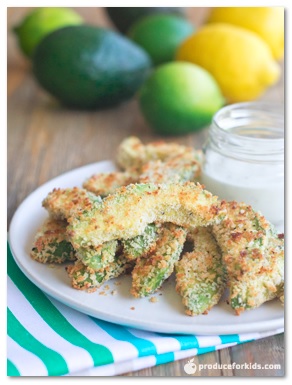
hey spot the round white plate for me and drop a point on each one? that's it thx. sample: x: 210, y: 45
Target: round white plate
x: 166, y: 315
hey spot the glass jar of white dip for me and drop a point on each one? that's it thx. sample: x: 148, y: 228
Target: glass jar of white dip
x: 244, y: 157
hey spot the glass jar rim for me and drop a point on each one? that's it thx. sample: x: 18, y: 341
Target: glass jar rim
x: 275, y: 108
x: 266, y: 143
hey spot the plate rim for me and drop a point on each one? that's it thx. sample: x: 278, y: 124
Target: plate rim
x: 153, y: 326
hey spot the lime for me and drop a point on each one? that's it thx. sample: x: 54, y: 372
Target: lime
x: 240, y: 61
x: 124, y: 17
x: 41, y: 22
x: 160, y: 35
x: 179, y: 98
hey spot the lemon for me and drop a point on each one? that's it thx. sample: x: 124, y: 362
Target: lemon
x: 40, y: 22
x: 179, y: 98
x: 267, y: 22
x: 160, y: 35
x: 240, y: 61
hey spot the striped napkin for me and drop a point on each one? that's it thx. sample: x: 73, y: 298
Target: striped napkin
x: 47, y: 338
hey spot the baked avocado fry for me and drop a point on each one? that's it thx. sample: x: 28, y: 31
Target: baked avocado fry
x: 263, y: 284
x: 253, y: 255
x: 126, y: 213
x: 175, y: 170
x: 85, y: 278
x: 106, y: 183
x: 200, y: 275
x: 63, y: 203
x: 149, y: 273
x: 141, y: 245
x: 98, y: 258
x: 51, y: 243
x: 133, y: 153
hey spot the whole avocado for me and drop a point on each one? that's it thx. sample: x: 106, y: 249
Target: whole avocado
x: 124, y: 17
x: 89, y: 67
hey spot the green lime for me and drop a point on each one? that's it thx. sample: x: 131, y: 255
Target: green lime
x: 40, y: 22
x: 90, y: 67
x: 179, y: 98
x: 124, y: 17
x: 161, y: 35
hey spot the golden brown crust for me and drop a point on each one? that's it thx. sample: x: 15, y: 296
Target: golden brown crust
x: 133, y: 153
x: 63, y: 203
x: 51, y: 244
x: 105, y: 184
x: 200, y: 275
x: 126, y: 213
x: 253, y: 255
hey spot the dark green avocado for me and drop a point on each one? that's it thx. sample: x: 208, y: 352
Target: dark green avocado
x: 124, y: 17
x: 90, y: 67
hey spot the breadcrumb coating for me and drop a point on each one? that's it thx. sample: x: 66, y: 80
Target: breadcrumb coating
x: 200, y: 275
x: 126, y: 213
x: 176, y: 170
x: 85, y: 278
x: 106, y: 183
x: 141, y: 245
x: 98, y: 258
x: 253, y: 255
x: 150, y: 273
x: 51, y: 243
x: 64, y: 203
x: 133, y: 153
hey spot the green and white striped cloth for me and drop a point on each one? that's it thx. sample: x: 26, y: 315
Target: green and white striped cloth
x: 47, y: 338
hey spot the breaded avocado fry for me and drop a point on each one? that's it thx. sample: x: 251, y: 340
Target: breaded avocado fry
x: 253, y: 255
x: 200, y: 275
x: 51, y: 243
x: 149, y: 273
x: 63, y: 203
x: 85, y: 278
x: 141, y: 245
x: 105, y: 184
x: 98, y: 258
x: 126, y: 213
x: 133, y: 153
x: 176, y: 170
x: 264, y: 284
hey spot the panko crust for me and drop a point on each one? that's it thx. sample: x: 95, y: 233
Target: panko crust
x: 149, y: 273
x: 253, y: 255
x: 126, y: 213
x: 200, y: 274
x: 64, y: 203
x: 51, y: 244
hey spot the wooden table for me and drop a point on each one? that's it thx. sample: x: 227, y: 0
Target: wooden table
x: 45, y: 140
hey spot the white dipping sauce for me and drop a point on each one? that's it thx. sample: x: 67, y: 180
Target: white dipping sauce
x: 244, y: 158
x: 260, y: 186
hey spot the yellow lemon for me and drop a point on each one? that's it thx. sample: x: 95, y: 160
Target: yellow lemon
x: 240, y: 61
x: 267, y: 22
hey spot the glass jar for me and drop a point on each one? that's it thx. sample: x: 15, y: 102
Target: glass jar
x: 244, y: 157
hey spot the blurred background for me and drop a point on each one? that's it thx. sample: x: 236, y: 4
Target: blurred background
x: 95, y: 16
x: 45, y: 138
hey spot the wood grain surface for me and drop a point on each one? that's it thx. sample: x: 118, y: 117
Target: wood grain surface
x: 45, y: 140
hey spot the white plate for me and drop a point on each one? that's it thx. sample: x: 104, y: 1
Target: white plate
x: 166, y: 316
